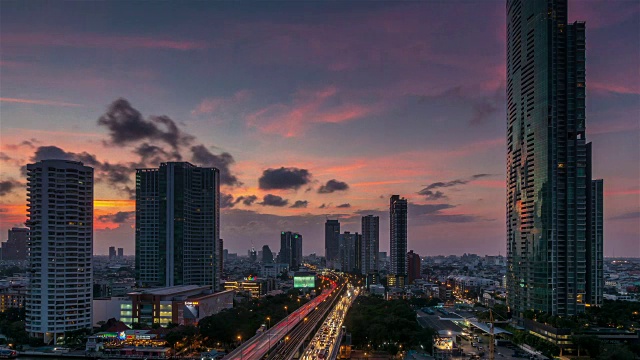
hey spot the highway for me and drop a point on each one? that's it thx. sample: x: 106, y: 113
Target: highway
x: 326, y: 342
x: 258, y: 346
x: 296, y: 338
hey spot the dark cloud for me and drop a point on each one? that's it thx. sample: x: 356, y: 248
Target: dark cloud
x: 274, y: 200
x: 481, y: 112
x: 284, y: 178
x: 430, y: 194
x: 324, y: 206
x: 246, y: 200
x: 344, y: 206
x: 154, y: 155
x: 4, y: 157
x: 300, y: 204
x: 126, y: 125
x: 202, y: 156
x: 119, y: 217
x: 332, y: 186
x: 633, y: 215
x: 56, y: 153
x: 7, y: 186
x: 226, y: 200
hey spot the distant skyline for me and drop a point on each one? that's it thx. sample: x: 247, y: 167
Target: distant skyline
x: 309, y: 109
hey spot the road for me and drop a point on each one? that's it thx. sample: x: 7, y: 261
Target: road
x: 326, y: 342
x: 258, y: 346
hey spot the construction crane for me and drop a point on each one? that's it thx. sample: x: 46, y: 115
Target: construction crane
x: 492, y: 355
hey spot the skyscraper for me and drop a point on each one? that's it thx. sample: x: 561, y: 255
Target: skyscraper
x: 112, y: 252
x: 350, y: 252
x: 370, y: 243
x: 414, y: 265
x: 290, y: 249
x: 120, y: 253
x: 60, y: 221
x: 178, y: 225
x: 595, y: 251
x: 547, y: 163
x: 331, y: 241
x: 15, y: 248
x: 398, y: 235
x: 267, y: 255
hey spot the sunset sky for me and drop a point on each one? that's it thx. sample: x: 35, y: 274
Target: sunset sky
x: 310, y: 109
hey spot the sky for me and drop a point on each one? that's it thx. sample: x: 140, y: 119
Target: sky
x: 312, y: 110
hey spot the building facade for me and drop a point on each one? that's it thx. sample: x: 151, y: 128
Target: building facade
x: 414, y: 265
x: 331, y: 240
x: 15, y: 248
x: 60, y: 221
x: 290, y: 249
x: 178, y: 225
x: 370, y: 244
x: 398, y: 235
x: 350, y: 252
x: 547, y: 163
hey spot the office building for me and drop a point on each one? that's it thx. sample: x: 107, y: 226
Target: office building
x: 548, y: 168
x: 331, y: 240
x: 16, y: 248
x: 370, y: 244
x: 112, y: 252
x: 398, y: 235
x: 414, y: 267
x: 60, y: 221
x: 120, y: 253
x: 267, y: 255
x: 350, y: 252
x: 178, y: 226
x: 290, y: 249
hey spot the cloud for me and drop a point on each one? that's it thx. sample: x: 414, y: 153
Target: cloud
x: 430, y: 194
x: 482, y: 111
x: 118, y: 218
x: 226, y: 200
x: 7, y: 186
x: 284, y: 178
x: 274, y: 200
x: 299, y: 204
x: 39, y: 102
x: 86, y: 40
x: 332, y: 186
x: 126, y: 125
x: 221, y: 106
x: 154, y: 154
x: 246, y: 200
x: 344, y: 206
x: 633, y: 215
x: 202, y: 156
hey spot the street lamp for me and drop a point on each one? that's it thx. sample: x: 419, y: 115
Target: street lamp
x: 241, y: 350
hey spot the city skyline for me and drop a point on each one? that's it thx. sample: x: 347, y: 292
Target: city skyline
x: 404, y: 111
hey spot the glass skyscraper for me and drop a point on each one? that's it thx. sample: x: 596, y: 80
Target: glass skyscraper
x: 331, y: 242
x: 178, y: 225
x: 398, y: 235
x: 548, y: 168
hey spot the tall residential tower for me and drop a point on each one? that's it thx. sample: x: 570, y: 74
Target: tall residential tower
x: 398, y: 235
x: 331, y: 240
x: 60, y: 221
x: 178, y: 225
x: 548, y: 169
x: 370, y: 244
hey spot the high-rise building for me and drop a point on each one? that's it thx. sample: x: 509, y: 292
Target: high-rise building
x: 112, y: 252
x: 370, y: 243
x: 414, y: 267
x: 267, y: 255
x: 398, y: 235
x: 120, y: 253
x: 350, y: 252
x: 220, y: 259
x: 331, y: 241
x: 16, y: 248
x: 595, y: 251
x: 290, y: 249
x: 60, y: 221
x: 178, y: 225
x: 547, y: 164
